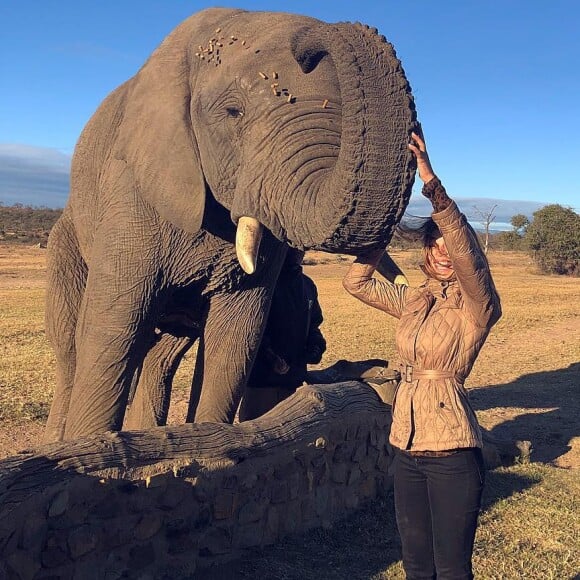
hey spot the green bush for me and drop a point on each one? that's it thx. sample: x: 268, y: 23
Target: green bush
x: 553, y: 238
x: 510, y: 240
x: 23, y: 224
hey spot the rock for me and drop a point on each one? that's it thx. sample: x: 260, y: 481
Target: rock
x: 82, y: 541
x: 59, y: 504
x: 251, y: 511
x: 23, y: 564
x: 217, y: 541
x: 149, y: 524
x: 498, y: 451
x: 223, y: 506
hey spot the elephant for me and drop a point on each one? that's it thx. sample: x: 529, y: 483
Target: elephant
x: 150, y: 398
x: 292, y: 332
x: 243, y: 134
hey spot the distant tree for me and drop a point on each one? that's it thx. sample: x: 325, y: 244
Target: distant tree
x: 512, y: 239
x: 520, y: 222
x: 20, y: 223
x: 553, y: 238
x: 509, y: 240
x: 487, y: 217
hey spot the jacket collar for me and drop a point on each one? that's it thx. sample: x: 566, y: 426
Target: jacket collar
x: 437, y: 287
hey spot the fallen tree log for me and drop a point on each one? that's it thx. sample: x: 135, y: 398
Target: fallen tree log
x: 172, y: 499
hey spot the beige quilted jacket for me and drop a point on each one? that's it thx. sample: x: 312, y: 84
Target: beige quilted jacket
x: 442, y: 327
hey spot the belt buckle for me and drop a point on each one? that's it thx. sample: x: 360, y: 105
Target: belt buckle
x: 409, y: 374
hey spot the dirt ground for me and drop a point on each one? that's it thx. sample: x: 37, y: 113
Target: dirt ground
x: 525, y: 386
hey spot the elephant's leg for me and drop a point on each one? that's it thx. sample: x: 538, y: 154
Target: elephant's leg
x: 66, y: 278
x: 110, y: 348
x: 114, y: 330
x: 197, y: 382
x: 230, y: 340
x: 150, y: 404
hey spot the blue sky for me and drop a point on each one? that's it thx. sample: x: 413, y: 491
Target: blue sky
x: 496, y: 83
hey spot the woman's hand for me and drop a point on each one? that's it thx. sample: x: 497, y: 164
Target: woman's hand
x: 432, y: 188
x: 424, y: 168
x: 370, y: 257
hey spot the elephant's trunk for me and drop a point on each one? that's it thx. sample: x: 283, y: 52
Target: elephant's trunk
x: 364, y: 197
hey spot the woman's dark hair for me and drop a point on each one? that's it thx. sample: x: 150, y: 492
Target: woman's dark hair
x: 424, y: 230
x: 417, y: 229
x: 421, y: 230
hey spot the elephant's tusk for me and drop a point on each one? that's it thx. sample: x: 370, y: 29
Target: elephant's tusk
x: 248, y: 236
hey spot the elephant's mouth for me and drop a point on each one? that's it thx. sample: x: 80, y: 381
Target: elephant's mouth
x: 248, y: 237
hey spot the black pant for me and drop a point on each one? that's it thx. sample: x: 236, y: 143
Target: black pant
x: 437, y: 502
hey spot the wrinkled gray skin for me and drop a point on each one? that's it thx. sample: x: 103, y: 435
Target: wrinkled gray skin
x: 175, y: 156
x: 176, y: 334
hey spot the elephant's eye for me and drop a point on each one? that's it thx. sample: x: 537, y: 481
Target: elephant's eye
x: 234, y: 112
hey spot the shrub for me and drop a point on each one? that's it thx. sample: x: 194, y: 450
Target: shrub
x: 553, y: 238
x: 22, y: 224
x: 510, y: 240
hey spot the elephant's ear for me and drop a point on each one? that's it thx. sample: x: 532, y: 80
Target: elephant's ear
x: 156, y: 138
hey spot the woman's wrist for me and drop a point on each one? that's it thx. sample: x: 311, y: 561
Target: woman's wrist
x: 430, y: 186
x: 436, y: 194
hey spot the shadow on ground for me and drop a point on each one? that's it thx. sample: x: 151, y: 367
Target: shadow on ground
x: 358, y: 548
x: 553, y: 420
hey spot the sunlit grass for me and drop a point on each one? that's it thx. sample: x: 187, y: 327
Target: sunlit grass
x: 27, y: 366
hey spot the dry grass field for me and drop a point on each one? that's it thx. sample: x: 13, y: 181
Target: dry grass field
x: 525, y: 385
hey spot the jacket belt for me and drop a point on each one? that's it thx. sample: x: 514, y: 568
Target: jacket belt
x: 431, y: 453
x: 409, y: 373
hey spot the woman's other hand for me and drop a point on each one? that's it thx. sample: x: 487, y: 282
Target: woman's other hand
x: 417, y: 146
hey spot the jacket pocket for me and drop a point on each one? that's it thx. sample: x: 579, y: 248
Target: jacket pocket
x: 447, y: 415
x: 448, y: 409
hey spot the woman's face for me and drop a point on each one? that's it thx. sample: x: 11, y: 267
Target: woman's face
x: 438, y: 262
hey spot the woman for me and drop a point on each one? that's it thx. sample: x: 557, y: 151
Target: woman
x: 439, y: 471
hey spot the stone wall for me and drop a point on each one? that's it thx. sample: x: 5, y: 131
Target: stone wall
x: 163, y: 503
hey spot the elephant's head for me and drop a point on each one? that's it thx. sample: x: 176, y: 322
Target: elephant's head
x: 298, y: 125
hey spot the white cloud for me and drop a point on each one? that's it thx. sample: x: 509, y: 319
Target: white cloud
x: 40, y: 176
x: 33, y: 175
x: 505, y: 209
